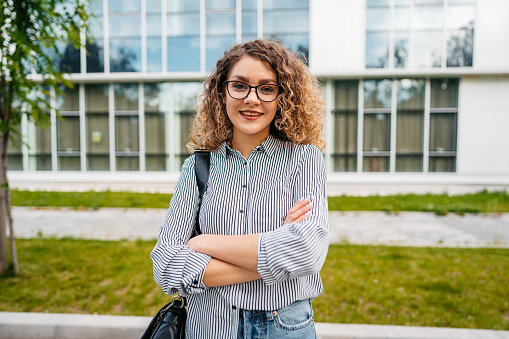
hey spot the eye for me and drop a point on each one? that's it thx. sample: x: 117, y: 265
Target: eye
x: 239, y: 86
x: 269, y: 89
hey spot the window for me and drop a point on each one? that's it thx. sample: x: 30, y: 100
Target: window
x: 126, y: 127
x: 14, y: 152
x: 97, y: 127
x: 95, y: 48
x: 183, y: 30
x: 156, y: 126
x: 125, y: 36
x: 443, y: 125
x: 345, y: 112
x: 68, y: 131
x: 221, y: 29
x: 419, y: 34
x: 154, y: 44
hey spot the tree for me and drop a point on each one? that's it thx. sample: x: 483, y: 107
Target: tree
x: 30, y: 31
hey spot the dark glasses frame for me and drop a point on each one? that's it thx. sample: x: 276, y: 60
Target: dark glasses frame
x: 279, y: 87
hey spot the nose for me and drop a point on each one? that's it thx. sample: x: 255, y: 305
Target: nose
x: 252, y: 96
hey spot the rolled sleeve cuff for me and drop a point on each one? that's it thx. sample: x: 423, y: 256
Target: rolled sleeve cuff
x: 192, y: 274
x: 263, y: 265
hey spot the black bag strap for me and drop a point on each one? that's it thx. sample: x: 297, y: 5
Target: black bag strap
x: 201, y: 169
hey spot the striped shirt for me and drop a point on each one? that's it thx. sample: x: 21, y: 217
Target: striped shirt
x: 246, y: 196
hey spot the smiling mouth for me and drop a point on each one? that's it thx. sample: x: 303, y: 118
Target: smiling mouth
x: 251, y: 114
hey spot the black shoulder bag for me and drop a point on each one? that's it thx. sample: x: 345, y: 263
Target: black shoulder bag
x: 170, y: 321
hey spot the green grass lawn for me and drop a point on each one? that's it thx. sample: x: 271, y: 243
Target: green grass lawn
x: 363, y: 284
x: 482, y: 202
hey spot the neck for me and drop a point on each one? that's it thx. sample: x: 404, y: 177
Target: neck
x: 246, y: 145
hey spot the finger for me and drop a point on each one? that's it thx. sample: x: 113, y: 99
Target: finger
x: 299, y: 204
x: 301, y: 218
x: 294, y: 216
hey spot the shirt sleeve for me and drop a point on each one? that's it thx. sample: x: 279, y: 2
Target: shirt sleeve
x: 176, y: 266
x: 299, y: 249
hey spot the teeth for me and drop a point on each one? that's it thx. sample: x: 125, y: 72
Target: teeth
x: 252, y: 114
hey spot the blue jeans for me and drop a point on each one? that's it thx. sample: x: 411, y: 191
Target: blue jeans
x: 294, y: 322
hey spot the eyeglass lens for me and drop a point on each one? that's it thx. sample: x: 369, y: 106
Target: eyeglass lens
x: 240, y: 90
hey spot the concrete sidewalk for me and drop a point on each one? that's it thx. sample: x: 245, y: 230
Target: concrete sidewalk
x: 75, y: 326
x: 377, y: 228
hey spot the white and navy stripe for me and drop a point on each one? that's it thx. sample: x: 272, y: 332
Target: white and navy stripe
x: 247, y: 196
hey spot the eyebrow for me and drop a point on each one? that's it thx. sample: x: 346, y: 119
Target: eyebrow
x: 262, y: 81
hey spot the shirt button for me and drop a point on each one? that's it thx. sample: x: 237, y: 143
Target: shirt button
x: 241, y: 211
x: 234, y: 307
x: 245, y: 162
x: 195, y: 282
x: 244, y: 186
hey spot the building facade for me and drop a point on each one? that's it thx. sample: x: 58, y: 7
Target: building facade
x: 417, y: 91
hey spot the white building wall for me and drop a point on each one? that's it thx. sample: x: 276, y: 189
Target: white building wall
x: 491, y: 35
x: 337, y: 36
x: 483, y: 126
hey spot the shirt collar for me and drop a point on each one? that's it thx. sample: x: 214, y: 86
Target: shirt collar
x: 268, y: 146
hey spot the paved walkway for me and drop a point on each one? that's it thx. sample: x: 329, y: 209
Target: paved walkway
x: 403, y: 229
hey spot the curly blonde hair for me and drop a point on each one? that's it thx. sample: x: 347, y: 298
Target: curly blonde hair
x: 300, y: 113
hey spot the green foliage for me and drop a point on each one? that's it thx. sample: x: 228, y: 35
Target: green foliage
x: 362, y: 284
x: 441, y: 204
x: 31, y: 31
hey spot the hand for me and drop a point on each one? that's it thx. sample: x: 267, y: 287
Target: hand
x: 299, y: 211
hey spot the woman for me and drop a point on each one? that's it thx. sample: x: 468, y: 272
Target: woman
x: 264, y: 219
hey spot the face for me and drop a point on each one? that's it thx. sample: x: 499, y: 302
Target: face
x: 250, y: 116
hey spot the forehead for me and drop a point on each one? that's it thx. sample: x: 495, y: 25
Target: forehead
x: 251, y: 69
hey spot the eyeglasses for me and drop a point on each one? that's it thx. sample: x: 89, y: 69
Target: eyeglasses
x: 264, y: 92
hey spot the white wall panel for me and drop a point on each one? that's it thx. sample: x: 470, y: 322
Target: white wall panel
x: 491, y: 35
x: 483, y: 127
x: 337, y: 36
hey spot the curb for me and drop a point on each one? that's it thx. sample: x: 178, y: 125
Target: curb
x: 17, y: 325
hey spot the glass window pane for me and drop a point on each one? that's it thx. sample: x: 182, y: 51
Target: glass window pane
x: 220, y: 4
x: 345, y: 132
x: 220, y: 24
x: 460, y: 16
x: 409, y: 163
x: 153, y: 6
x: 125, y: 26
x: 427, y: 49
x: 372, y: 3
x: 284, y: 21
x: 460, y: 47
x: 298, y: 43
x: 183, y: 24
x: 68, y: 134
x: 39, y: 141
x: 69, y: 163
x: 378, y: 19
x: 249, y: 4
x: 157, y: 99
x: 377, y: 49
x: 410, y: 94
x: 69, y: 100
x: 401, y: 18
x: 377, y: 93
x: 409, y: 132
x: 95, y: 56
x: 184, y: 54
x: 14, y: 153
x: 125, y: 55
x: 375, y: 164
x: 443, y: 132
x: 249, y: 24
x: 182, y: 5
x: 70, y: 59
x: 154, y: 27
x: 96, y: 7
x: 444, y: 93
x: 427, y: 17
x: 344, y: 163
x: 442, y: 164
x: 126, y: 133
x: 126, y: 97
x: 96, y: 98
x: 154, y: 55
x: 128, y: 163
x: 346, y: 95
x: 97, y: 142
x: 124, y: 5
x: 400, y: 49
x: 285, y: 4
x: 377, y: 132
x: 215, y: 49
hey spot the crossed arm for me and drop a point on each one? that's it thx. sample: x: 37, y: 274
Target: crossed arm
x: 235, y: 257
